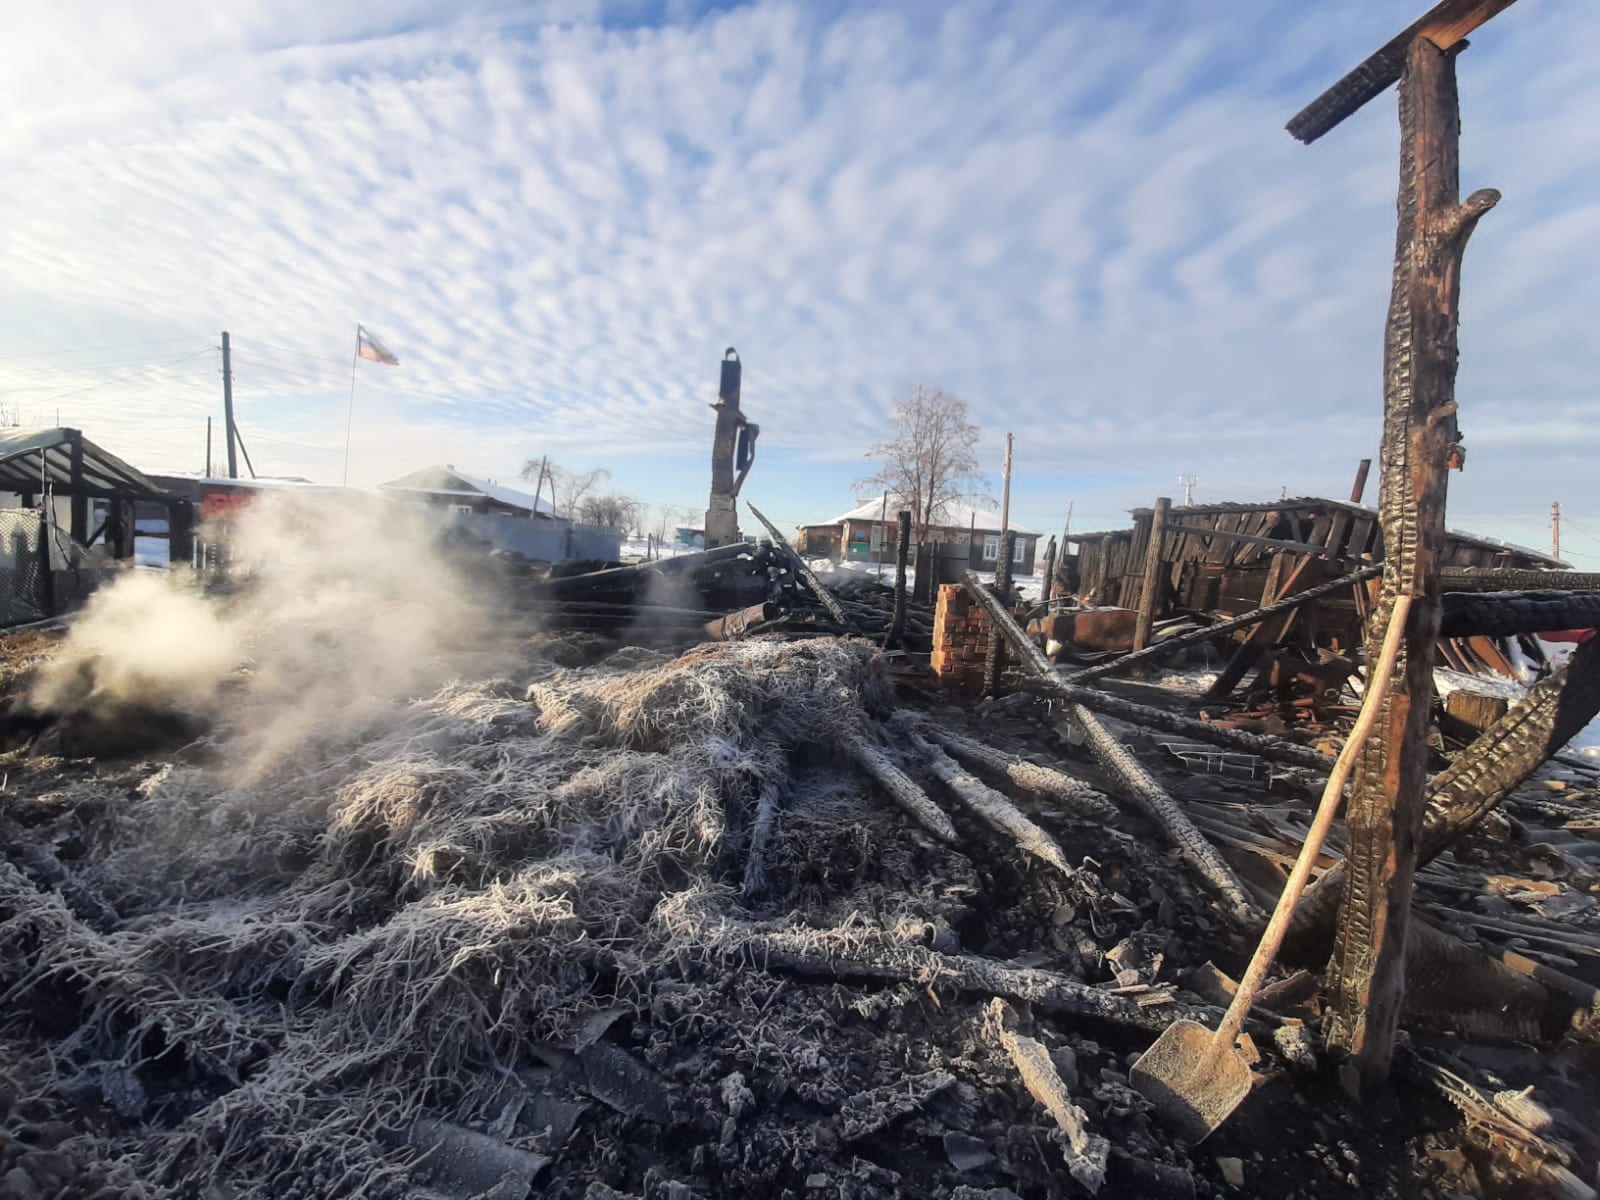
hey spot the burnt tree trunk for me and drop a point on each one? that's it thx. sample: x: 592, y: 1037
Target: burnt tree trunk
x: 1420, y: 442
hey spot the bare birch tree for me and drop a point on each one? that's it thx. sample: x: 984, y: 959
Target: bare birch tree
x: 930, y: 461
x: 567, y: 488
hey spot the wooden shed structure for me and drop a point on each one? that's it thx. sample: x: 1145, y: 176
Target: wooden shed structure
x: 1229, y: 558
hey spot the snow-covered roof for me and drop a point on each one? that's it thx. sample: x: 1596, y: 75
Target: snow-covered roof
x: 953, y: 515
x: 448, y: 481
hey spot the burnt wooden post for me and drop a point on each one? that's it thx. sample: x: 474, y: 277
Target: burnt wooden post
x: 902, y: 554
x: 180, y: 533
x: 1420, y: 443
x: 1359, y: 488
x: 1049, y: 585
x: 77, y: 502
x: 994, y: 662
x: 1150, y: 591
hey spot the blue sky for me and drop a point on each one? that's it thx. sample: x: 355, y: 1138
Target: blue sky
x: 1085, y: 219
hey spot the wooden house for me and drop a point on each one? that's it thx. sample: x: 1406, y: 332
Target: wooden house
x: 867, y: 534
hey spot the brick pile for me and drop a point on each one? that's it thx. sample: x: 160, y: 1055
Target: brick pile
x: 960, y: 639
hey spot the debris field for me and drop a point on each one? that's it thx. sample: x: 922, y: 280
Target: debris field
x: 755, y: 917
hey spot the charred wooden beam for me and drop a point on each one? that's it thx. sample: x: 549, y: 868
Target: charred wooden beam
x: 1386, y: 804
x: 1500, y: 760
x: 1358, y: 489
x: 807, y: 576
x: 1256, y: 641
x: 1505, y: 579
x: 1445, y: 25
x: 1134, y: 781
x: 742, y: 623
x: 1150, y: 588
x: 902, y: 554
x: 994, y: 659
x: 1230, y: 535
x: 1505, y: 614
x: 1073, y: 793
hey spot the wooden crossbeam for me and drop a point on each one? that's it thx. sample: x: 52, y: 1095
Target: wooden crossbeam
x: 1228, y: 535
x: 1445, y: 24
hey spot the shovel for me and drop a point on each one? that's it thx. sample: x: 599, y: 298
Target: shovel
x: 1196, y: 1077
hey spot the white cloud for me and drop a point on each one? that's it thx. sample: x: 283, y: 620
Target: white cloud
x: 559, y: 221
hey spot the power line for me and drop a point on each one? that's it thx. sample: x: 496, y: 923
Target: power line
x: 119, y: 377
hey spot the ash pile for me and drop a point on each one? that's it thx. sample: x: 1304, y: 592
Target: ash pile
x: 750, y: 919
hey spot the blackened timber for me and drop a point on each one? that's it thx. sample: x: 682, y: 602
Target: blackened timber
x: 902, y: 553
x: 77, y: 502
x: 1150, y: 589
x: 1420, y: 440
x: 1133, y: 780
x: 1479, y: 779
x: 994, y: 659
x: 1045, y: 680
x: 1255, y: 643
x: 1166, y: 646
x: 1445, y: 24
x: 1260, y: 744
x: 807, y: 576
x: 1504, y: 614
x: 1358, y: 489
x: 1228, y: 535
x: 1506, y: 579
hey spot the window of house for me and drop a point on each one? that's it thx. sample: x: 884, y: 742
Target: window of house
x: 991, y: 547
x: 461, y: 508
x: 877, y: 537
x: 1019, y: 551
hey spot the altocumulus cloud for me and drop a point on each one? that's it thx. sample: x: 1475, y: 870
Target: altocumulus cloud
x: 1084, y: 218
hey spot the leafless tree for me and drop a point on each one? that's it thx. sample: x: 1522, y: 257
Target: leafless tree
x: 567, y: 487
x: 613, y: 512
x: 930, y: 461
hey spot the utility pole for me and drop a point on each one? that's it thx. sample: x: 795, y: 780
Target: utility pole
x: 227, y: 405
x: 1005, y: 493
x: 1187, y: 482
x: 1555, y: 529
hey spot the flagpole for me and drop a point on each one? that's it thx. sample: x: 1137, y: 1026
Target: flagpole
x: 350, y: 409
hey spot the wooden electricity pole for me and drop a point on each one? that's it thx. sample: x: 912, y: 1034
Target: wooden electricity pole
x: 1555, y: 529
x: 1420, y: 444
x: 227, y: 406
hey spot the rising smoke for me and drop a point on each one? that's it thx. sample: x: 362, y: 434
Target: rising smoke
x: 334, y: 609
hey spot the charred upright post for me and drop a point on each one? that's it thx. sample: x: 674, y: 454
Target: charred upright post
x: 1420, y: 444
x: 902, y: 555
x: 994, y: 662
x: 1150, y: 592
x: 733, y: 449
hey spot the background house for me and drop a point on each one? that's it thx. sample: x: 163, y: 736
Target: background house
x: 456, y: 491
x: 867, y: 534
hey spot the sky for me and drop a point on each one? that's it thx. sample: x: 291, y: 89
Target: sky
x: 1084, y: 219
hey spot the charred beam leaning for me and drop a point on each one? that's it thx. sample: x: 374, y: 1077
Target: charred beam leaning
x: 1048, y: 682
x: 1420, y: 442
x: 806, y: 574
x: 1136, y: 782
x: 1166, y: 646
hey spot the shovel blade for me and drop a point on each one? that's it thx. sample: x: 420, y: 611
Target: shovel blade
x: 1190, y: 1094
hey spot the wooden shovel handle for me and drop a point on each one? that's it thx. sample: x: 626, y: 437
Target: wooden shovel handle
x: 1377, y: 687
